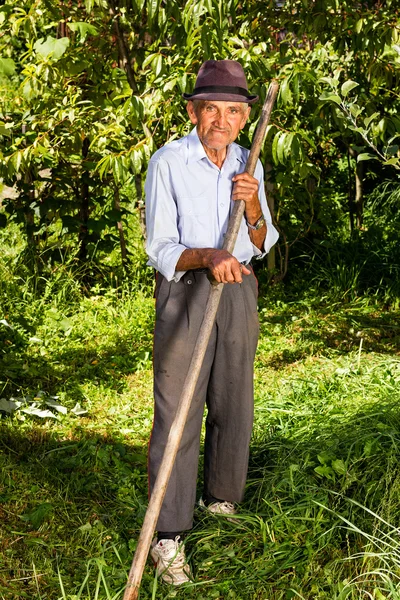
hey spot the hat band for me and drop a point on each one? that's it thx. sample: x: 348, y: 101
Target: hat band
x: 221, y: 89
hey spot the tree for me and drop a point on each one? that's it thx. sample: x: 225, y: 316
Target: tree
x: 97, y: 90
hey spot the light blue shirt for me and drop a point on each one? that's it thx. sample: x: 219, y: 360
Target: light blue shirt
x: 188, y: 203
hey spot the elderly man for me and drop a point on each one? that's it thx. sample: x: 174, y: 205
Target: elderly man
x: 190, y: 189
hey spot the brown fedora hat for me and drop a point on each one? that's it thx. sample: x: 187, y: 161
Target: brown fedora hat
x: 221, y: 80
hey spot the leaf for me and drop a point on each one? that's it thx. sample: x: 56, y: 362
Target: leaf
x: 57, y: 406
x: 157, y: 64
x: 39, y: 412
x: 170, y: 85
x: 329, y: 97
x: 281, y: 147
x: 147, y: 61
x: 355, y: 110
x: 84, y: 29
x: 78, y: 410
x: 65, y: 324
x: 330, y: 80
x: 38, y: 514
x: 348, y: 86
x: 274, y: 147
x: 366, y: 156
x: 7, y: 66
x: 339, y: 466
x: 51, y: 47
x: 367, y: 120
x: 7, y: 406
x: 359, y: 25
x: 4, y: 322
x: 286, y: 94
x: 138, y: 105
x: 392, y: 150
x: 324, y: 471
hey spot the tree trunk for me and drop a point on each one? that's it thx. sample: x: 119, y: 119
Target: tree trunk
x: 122, y: 242
x: 270, y: 193
x: 84, y: 209
x: 359, y: 199
x: 123, y: 53
x: 350, y: 190
x: 140, y: 205
x: 29, y: 215
x: 359, y: 194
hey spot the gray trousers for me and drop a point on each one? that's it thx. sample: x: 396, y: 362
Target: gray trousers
x: 225, y: 385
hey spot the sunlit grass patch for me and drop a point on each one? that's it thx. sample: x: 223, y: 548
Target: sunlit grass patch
x: 323, y: 468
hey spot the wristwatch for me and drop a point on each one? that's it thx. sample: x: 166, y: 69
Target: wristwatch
x: 258, y: 224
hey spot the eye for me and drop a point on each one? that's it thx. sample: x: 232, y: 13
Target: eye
x: 210, y: 108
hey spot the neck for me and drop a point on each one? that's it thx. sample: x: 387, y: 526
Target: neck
x: 216, y: 156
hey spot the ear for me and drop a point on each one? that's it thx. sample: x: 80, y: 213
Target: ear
x: 246, y: 115
x: 191, y: 112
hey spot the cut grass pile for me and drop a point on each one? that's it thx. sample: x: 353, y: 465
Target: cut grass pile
x: 321, y: 513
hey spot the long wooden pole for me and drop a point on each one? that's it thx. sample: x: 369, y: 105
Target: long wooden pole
x: 176, y: 431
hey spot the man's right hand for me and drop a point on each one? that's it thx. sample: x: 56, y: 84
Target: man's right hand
x: 225, y: 268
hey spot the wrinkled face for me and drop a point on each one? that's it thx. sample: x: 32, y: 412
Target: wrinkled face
x: 218, y: 122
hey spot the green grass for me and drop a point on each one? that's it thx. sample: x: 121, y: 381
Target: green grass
x: 321, y: 512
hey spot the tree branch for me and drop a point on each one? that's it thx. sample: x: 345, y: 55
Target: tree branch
x: 122, y: 49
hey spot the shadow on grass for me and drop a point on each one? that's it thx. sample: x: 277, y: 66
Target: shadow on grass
x: 69, y: 368
x: 324, y: 330
x: 62, y: 502
x: 96, y: 487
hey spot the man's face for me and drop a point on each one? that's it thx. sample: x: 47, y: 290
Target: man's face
x: 218, y: 122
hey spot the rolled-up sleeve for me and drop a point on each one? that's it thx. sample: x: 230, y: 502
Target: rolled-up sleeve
x: 272, y: 234
x: 163, y: 247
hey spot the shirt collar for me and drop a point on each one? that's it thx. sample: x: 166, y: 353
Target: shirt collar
x: 195, y: 147
x: 196, y: 150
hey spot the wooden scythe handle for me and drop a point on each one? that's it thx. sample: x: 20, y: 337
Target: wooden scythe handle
x: 176, y: 431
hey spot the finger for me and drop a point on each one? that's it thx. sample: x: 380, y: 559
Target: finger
x: 246, y: 185
x: 216, y: 275
x: 230, y: 278
x: 245, y: 270
x: 237, y: 272
x: 248, y: 189
x: 244, y: 176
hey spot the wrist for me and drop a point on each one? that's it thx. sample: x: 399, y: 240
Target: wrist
x: 206, y: 255
x: 256, y: 224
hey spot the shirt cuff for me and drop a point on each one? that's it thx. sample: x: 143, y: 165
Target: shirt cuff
x: 166, y: 261
x: 270, y: 239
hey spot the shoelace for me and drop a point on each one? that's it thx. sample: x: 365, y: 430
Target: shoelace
x: 227, y: 505
x: 178, y: 558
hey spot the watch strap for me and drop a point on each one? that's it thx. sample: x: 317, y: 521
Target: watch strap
x: 258, y: 224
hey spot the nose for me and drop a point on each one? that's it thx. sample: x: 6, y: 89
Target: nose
x: 220, y: 119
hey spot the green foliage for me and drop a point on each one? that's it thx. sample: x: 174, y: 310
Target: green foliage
x: 321, y: 504
x: 91, y: 92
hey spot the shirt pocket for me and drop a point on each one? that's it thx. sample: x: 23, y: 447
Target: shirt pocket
x: 194, y: 219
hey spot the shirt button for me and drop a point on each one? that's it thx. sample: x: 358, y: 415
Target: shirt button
x: 189, y: 282
x: 222, y: 204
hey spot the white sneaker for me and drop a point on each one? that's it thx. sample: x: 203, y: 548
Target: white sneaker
x: 223, y: 509
x: 170, y: 561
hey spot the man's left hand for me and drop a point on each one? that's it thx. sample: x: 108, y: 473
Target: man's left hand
x: 245, y: 188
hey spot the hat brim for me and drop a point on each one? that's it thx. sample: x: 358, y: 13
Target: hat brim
x: 221, y: 96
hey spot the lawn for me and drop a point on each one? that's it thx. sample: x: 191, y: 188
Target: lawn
x: 321, y: 512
